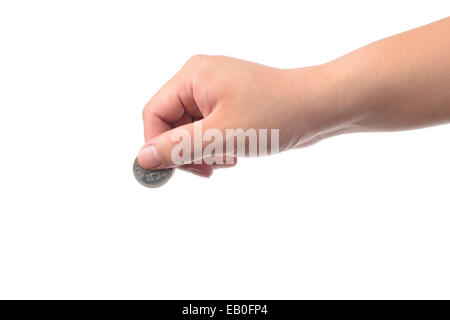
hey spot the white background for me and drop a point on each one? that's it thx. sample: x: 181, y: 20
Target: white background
x: 356, y: 216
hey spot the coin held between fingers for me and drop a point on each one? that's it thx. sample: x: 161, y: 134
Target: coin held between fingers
x: 151, y: 178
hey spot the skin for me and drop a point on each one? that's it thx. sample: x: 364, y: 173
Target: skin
x: 398, y: 83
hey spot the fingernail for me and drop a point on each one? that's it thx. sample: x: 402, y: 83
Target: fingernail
x: 148, y: 157
x: 202, y: 173
x: 194, y: 170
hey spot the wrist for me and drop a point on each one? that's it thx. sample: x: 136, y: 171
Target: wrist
x: 343, y: 98
x: 326, y: 104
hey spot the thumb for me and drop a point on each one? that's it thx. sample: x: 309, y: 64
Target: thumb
x: 181, y: 145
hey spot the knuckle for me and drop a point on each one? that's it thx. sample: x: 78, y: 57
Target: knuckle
x: 198, y: 60
x: 146, y: 111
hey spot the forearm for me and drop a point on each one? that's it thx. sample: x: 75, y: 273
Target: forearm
x: 402, y: 82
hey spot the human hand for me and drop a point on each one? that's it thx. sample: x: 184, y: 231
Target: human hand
x: 225, y: 93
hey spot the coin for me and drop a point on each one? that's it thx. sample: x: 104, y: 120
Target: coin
x: 151, y: 178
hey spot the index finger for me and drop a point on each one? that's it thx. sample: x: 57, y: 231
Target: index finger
x: 173, y: 105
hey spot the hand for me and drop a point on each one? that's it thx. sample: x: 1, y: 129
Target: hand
x: 226, y: 93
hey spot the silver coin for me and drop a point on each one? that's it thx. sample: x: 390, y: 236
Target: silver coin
x: 151, y: 178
